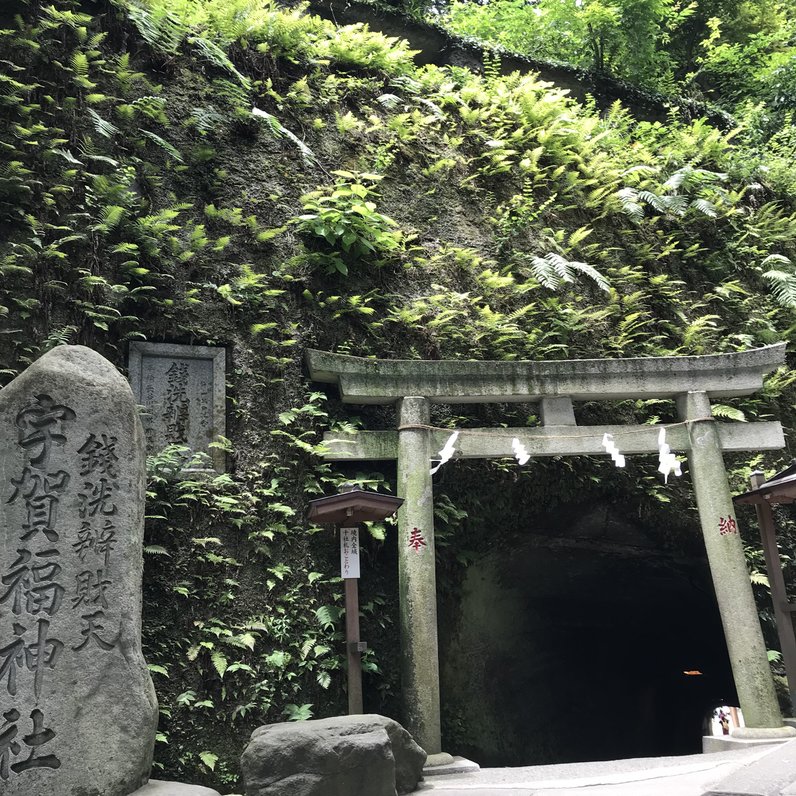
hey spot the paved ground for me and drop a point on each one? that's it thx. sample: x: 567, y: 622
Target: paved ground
x: 750, y: 771
x: 691, y: 775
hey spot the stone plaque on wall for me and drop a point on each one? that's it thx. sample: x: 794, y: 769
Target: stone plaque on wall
x: 182, y: 389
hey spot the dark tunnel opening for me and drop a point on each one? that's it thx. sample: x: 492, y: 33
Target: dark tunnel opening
x: 567, y: 650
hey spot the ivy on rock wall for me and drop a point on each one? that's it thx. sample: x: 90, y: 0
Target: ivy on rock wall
x: 244, y: 174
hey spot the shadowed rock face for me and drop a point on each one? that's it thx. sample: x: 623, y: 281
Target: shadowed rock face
x: 77, y: 701
x: 572, y: 646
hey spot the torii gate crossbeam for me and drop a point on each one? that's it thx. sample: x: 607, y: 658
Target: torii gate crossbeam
x: 692, y: 381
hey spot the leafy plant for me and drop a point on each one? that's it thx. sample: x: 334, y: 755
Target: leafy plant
x: 553, y: 270
x: 782, y: 282
x: 345, y: 225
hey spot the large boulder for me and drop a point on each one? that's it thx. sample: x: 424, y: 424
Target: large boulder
x: 339, y: 756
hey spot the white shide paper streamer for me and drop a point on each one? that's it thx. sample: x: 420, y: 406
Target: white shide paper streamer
x: 610, y: 448
x: 667, y: 462
x: 446, y: 454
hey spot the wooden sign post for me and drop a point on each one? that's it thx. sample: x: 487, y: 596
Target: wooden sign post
x: 347, y: 509
x: 349, y: 570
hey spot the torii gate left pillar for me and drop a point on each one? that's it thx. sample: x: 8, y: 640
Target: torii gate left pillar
x: 417, y: 579
x: 693, y: 381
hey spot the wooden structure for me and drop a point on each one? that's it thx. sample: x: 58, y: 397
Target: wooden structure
x: 781, y: 488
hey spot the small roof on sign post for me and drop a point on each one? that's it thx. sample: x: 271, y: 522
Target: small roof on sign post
x: 780, y: 488
x: 355, y: 505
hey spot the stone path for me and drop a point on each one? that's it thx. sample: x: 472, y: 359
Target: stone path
x: 691, y: 775
x: 748, y: 771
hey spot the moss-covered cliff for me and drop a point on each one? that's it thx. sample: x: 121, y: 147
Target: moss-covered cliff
x: 247, y: 175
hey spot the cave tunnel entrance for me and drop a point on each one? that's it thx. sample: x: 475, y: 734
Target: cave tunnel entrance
x: 574, y: 647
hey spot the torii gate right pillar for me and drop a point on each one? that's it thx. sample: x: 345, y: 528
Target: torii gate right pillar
x: 728, y: 568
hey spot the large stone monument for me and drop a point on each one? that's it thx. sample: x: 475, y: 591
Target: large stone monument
x: 77, y: 707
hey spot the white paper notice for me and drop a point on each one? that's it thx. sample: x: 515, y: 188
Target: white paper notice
x: 349, y: 552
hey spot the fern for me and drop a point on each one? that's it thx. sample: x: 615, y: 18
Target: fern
x: 389, y: 101
x: 699, y: 333
x: 759, y: 579
x: 162, y: 30
x: 71, y: 19
x: 298, y: 712
x: 206, y: 118
x: 151, y: 106
x: 275, y: 126
x: 214, y: 55
x: 102, y: 126
x: 676, y: 205
x: 436, y: 111
x: 630, y: 204
x: 689, y: 178
x: 578, y: 236
x: 328, y: 616
x: 633, y: 201
x: 80, y: 64
x: 67, y: 156
x: 163, y: 144
x: 783, y: 286
x: 653, y: 200
x: 730, y: 412
x: 781, y: 282
x: 64, y: 335
x: 156, y: 550
x: 553, y: 270
x: 776, y: 258
x: 705, y: 206
x: 324, y: 679
x: 220, y: 663
x: 642, y: 170
x: 112, y: 216
x: 232, y: 92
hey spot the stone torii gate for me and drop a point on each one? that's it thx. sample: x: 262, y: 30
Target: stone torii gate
x: 413, y: 385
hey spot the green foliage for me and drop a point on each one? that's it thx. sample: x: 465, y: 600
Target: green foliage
x: 552, y: 270
x: 239, y: 663
x: 730, y: 52
x: 276, y: 127
x: 273, y: 30
x: 355, y: 46
x: 297, y: 712
x: 783, y: 283
x: 622, y: 37
x: 344, y: 224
